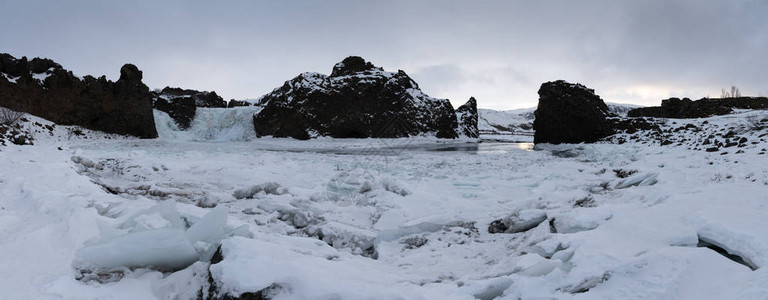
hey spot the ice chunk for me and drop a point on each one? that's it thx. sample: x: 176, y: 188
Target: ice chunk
x: 641, y: 179
x: 165, y: 249
x: 156, y: 238
x: 166, y: 210
x: 523, y: 220
x: 581, y: 220
x: 535, y: 265
x: 210, y: 228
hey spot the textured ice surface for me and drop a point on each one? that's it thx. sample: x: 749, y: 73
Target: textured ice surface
x: 425, y: 213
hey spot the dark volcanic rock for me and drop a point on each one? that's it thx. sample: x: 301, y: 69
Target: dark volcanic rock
x: 237, y: 103
x: 202, y: 98
x: 570, y: 113
x: 358, y: 100
x: 633, y: 125
x: 467, y: 118
x: 352, y: 65
x: 702, y: 108
x: 43, y: 88
x: 181, y: 110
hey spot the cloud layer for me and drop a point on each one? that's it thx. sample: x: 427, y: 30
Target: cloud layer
x: 497, y: 51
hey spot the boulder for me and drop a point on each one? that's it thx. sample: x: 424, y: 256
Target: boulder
x: 467, y: 115
x: 570, y: 113
x: 43, y: 88
x: 702, y: 108
x: 358, y: 100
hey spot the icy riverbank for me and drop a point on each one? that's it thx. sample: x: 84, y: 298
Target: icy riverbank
x: 355, y: 219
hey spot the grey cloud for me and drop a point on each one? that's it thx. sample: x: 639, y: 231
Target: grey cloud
x: 498, y: 50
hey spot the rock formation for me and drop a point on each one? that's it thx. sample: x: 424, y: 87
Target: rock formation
x: 202, y: 98
x: 358, y: 100
x: 467, y: 118
x: 238, y: 103
x: 43, y: 88
x: 570, y: 113
x: 702, y: 108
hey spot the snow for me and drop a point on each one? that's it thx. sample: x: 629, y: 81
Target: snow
x: 361, y: 219
x: 41, y: 76
x: 9, y: 78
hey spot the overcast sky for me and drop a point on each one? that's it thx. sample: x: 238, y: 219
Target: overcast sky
x: 498, y: 51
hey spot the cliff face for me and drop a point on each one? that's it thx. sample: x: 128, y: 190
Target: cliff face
x: 43, y: 88
x: 358, y: 100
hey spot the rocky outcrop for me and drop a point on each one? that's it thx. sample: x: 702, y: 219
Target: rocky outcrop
x: 238, y: 103
x: 702, y: 108
x: 358, y: 100
x: 202, y: 98
x: 570, y: 113
x: 181, y: 104
x: 467, y: 118
x: 43, y: 88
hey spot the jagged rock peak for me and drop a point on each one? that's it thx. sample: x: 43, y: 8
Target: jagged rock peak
x: 467, y: 117
x: 352, y: 65
x: 130, y: 73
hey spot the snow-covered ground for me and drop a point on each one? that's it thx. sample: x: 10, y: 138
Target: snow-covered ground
x: 96, y: 216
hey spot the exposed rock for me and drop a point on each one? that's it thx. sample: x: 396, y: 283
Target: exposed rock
x: 352, y: 65
x: 570, y: 113
x: 237, y: 103
x: 467, y: 118
x: 358, y: 100
x: 15, y: 134
x: 181, y: 110
x: 43, y: 88
x: 633, y: 125
x: 202, y: 98
x: 702, y: 108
